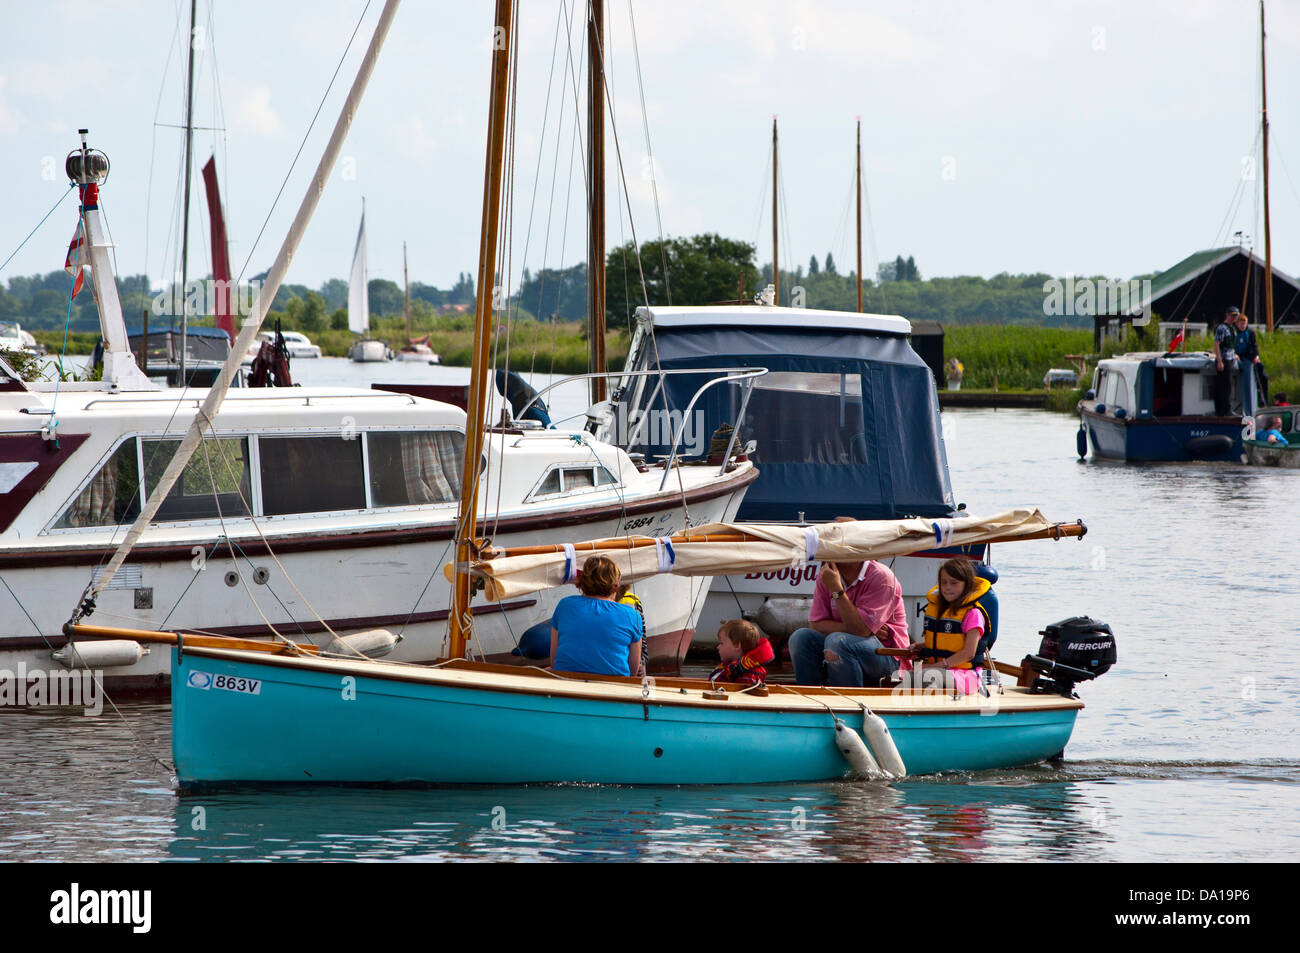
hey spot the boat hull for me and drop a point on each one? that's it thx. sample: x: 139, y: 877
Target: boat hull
x: 327, y: 721
x: 1260, y: 454
x: 1164, y: 440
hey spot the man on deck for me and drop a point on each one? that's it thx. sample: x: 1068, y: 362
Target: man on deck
x: 1225, y: 363
x: 856, y: 609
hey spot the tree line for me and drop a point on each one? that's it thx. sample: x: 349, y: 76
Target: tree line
x: 697, y: 270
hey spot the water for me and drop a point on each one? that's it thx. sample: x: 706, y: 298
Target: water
x: 1187, y: 750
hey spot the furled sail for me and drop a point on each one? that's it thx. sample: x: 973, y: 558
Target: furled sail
x: 358, y: 293
x: 720, y: 549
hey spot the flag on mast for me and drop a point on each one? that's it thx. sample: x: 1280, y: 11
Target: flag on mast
x: 1177, y: 342
x: 73, y: 263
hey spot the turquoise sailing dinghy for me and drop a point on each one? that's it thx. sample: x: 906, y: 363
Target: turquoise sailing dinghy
x: 262, y: 712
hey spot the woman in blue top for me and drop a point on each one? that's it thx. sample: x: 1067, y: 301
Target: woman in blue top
x: 594, y: 632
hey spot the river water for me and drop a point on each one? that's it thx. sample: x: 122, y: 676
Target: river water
x: 1188, y: 750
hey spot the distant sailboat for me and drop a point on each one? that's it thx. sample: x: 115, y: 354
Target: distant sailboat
x: 366, y: 349
x: 416, y: 349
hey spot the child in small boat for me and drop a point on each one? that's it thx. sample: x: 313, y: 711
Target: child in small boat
x: 744, y: 652
x: 955, y: 624
x: 1274, y: 434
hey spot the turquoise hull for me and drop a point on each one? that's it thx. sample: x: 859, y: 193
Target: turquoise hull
x: 304, y: 725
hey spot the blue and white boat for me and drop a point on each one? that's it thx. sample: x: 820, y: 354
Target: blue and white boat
x: 1157, y: 407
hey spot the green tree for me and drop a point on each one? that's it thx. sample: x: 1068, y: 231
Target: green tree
x: 700, y: 270
x: 812, y: 266
x: 830, y: 264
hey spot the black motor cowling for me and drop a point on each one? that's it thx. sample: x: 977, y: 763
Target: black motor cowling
x: 1073, y: 650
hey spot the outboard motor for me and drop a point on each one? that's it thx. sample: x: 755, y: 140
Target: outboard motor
x: 1073, y: 650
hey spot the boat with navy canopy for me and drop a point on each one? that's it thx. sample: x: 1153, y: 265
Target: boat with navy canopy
x: 844, y: 424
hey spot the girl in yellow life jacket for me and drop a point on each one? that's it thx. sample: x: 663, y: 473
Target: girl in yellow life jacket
x: 951, y: 650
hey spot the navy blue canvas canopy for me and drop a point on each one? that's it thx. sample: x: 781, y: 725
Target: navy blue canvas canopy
x: 846, y: 423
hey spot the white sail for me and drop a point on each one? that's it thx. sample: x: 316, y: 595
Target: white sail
x: 358, y: 294
x: 765, y: 548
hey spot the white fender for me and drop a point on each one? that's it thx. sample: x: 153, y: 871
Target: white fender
x: 882, y: 744
x: 114, y: 653
x: 372, y: 643
x: 855, y: 752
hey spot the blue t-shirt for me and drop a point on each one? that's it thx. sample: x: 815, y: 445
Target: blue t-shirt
x: 1281, y: 440
x: 595, y: 635
x: 1226, y: 336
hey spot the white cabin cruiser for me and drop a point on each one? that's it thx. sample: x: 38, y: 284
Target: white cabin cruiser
x: 290, y: 491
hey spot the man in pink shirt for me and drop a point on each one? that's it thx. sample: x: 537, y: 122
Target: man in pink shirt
x: 856, y: 609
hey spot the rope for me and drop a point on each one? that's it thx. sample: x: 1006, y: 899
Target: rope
x: 23, y: 243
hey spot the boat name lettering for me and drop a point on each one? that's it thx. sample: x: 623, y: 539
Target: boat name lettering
x: 796, y: 576
x: 1200, y: 433
x: 637, y: 523
x: 234, y: 683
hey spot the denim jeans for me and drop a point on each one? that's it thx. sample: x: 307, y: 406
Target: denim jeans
x: 857, y: 662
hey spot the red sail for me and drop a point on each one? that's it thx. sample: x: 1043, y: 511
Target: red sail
x: 224, y: 293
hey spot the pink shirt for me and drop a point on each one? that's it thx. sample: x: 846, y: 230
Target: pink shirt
x: 878, y: 598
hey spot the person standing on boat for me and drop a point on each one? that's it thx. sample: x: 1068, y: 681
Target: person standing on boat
x: 1225, y: 362
x: 1251, y: 367
x: 856, y: 609
x: 594, y: 632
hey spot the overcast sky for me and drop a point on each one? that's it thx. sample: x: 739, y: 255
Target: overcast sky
x: 1082, y: 137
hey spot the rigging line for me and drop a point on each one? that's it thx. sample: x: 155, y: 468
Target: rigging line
x: 193, y: 579
x: 622, y: 172
x: 437, y: 564
x: 762, y: 206
x: 20, y: 605
x: 654, y: 179
x: 225, y: 531
x: 58, y: 202
x: 153, y: 141
x: 76, y: 272
x: 303, y: 143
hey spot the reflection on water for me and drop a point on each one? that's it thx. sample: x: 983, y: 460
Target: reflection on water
x: 1186, y: 750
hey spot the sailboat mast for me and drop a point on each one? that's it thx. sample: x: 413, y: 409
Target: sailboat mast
x: 406, y: 286
x: 185, y: 214
x: 1268, y: 246
x: 859, y: 216
x: 776, y: 269
x: 596, y: 198
x: 461, y: 623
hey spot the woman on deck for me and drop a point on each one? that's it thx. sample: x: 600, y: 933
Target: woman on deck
x: 594, y: 632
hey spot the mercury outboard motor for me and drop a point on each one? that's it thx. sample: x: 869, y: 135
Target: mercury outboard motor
x: 1073, y: 650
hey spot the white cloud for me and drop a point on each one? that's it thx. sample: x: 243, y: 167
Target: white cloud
x: 256, y: 114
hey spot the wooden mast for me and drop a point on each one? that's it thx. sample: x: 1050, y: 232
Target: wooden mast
x: 776, y: 269
x: 1268, y: 247
x: 461, y: 623
x: 596, y: 199
x: 406, y: 285
x: 185, y: 214
x: 859, y: 216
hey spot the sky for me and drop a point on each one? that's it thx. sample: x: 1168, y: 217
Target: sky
x: 1086, y: 137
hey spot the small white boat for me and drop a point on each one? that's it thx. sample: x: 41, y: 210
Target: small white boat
x: 14, y: 338
x: 299, y: 344
x: 369, y: 351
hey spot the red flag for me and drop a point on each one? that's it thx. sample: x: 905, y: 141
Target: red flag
x: 1178, y: 339
x: 72, y: 264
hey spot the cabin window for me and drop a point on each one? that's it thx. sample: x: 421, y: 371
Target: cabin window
x: 215, y: 483
x: 799, y: 417
x: 415, y: 468
x: 573, y: 479
x: 112, y: 496
x: 311, y: 474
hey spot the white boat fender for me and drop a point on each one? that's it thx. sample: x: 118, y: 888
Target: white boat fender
x: 855, y: 752
x: 372, y: 643
x: 113, y: 653
x: 882, y: 744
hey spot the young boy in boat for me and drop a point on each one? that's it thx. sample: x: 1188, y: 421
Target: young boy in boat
x: 593, y: 632
x: 951, y: 650
x: 744, y: 651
